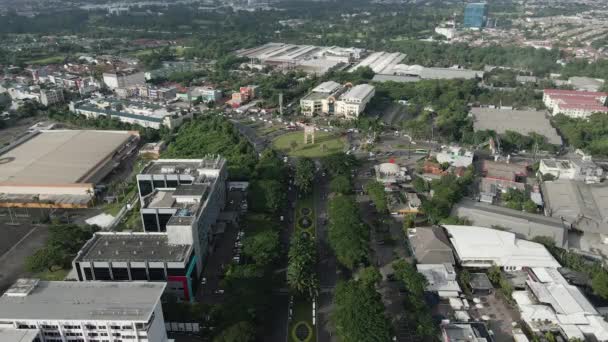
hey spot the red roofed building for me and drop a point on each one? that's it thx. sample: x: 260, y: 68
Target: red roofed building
x: 575, y: 104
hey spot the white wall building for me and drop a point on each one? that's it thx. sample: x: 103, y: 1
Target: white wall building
x: 441, y: 279
x: 321, y: 99
x: 334, y: 99
x: 352, y: 103
x: 138, y: 113
x: 67, y: 311
x: 550, y: 303
x: 576, y: 169
x: 575, y: 104
x: 123, y: 79
x: 448, y: 32
x: 455, y: 156
x: 51, y: 96
x: 480, y: 247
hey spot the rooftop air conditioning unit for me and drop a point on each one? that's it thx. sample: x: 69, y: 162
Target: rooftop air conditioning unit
x: 167, y: 169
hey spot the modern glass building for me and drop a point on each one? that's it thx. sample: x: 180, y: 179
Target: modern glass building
x: 475, y: 15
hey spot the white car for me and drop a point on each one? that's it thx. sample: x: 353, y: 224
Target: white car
x: 203, y: 281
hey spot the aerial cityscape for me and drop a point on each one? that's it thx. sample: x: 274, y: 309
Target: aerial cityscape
x: 304, y: 171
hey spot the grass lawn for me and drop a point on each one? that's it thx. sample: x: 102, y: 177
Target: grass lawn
x: 56, y: 275
x: 47, y: 60
x: 325, y: 144
x: 302, y: 314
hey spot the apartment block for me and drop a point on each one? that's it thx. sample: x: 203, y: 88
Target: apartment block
x: 575, y: 104
x: 67, y: 311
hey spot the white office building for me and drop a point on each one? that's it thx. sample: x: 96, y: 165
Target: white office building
x: 334, y: 99
x: 67, y: 311
x: 352, y: 103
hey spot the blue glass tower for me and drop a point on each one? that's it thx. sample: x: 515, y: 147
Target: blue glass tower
x: 475, y: 15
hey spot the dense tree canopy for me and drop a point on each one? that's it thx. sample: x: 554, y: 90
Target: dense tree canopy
x: 348, y: 235
x: 210, y: 136
x: 359, y: 313
x: 301, y: 267
x: 590, y: 135
x: 262, y: 247
x: 376, y: 192
x: 305, y: 174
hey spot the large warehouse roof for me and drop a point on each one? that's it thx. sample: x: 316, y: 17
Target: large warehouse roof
x: 478, y: 246
x: 59, y: 157
x: 521, y: 121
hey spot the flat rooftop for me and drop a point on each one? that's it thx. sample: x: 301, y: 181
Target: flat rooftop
x: 133, y: 247
x: 18, y: 335
x: 182, y: 166
x: 358, y: 92
x: 520, y: 121
x: 59, y: 157
x: 69, y: 300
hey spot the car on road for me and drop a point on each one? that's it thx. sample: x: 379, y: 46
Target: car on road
x: 203, y: 281
x: 219, y: 291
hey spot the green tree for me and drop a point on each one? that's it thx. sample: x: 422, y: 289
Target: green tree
x: 369, y: 276
x: 341, y: 185
x: 45, y: 259
x: 339, y: 164
x: 376, y: 192
x: 420, y: 185
x: 302, y: 260
x: 348, y: 235
x: 414, y: 281
x: 239, y: 332
x: 262, y: 247
x: 529, y: 206
x: 599, y: 284
x: 64, y: 241
x: 305, y: 174
x: 267, y: 195
x: 359, y: 313
x: 409, y: 221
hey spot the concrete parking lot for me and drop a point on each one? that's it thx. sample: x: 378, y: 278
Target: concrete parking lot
x: 17, y: 243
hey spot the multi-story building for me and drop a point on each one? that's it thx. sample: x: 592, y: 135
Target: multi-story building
x: 183, y: 197
x: 164, y: 257
x: 576, y: 169
x: 123, y: 79
x: 162, y: 94
x: 321, y: 99
x: 20, y: 335
x: 144, y: 114
x: 180, y: 203
x: 67, y: 311
x: 475, y: 15
x: 352, y: 103
x: 334, y: 99
x: 51, y: 96
x: 244, y: 95
x: 205, y: 94
x: 575, y: 104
